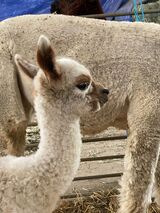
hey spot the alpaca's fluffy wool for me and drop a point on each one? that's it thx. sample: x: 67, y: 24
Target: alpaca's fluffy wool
x: 126, y: 58
x: 34, y: 183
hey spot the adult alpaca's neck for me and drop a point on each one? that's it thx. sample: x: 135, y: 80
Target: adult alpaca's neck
x: 60, y: 144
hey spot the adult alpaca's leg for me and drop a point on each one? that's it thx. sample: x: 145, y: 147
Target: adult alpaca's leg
x: 13, y: 119
x: 141, y: 155
x: 16, y: 139
x: 157, y: 183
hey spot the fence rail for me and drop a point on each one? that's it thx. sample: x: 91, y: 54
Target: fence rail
x: 105, y: 15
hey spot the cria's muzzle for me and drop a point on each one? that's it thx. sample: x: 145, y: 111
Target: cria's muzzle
x: 98, y: 96
x: 103, y: 96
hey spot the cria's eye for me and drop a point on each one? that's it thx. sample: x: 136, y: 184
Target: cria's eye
x: 83, y: 86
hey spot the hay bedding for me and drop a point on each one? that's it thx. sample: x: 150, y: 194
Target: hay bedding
x: 98, y: 202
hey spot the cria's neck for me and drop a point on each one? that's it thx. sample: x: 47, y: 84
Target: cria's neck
x: 58, y: 155
x: 55, y: 113
x: 59, y: 131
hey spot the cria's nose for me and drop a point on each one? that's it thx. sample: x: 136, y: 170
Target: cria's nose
x: 105, y: 91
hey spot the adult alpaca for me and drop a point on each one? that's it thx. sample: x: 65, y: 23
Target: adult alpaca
x: 63, y: 91
x: 125, y: 57
x: 76, y: 7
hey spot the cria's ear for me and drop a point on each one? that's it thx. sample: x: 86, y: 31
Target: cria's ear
x: 24, y: 66
x: 26, y: 73
x: 46, y: 59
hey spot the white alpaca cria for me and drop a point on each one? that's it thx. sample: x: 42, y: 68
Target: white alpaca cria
x: 63, y: 91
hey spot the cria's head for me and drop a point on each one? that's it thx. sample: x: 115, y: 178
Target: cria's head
x: 62, y: 80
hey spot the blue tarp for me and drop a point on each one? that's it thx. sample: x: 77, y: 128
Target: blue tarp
x: 11, y: 8
x: 119, y: 6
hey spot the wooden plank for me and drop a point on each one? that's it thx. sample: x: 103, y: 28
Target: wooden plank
x: 87, y: 187
x: 110, y: 132
x: 93, y: 168
x: 97, y: 149
x: 89, y: 170
x: 104, y: 138
x: 103, y: 148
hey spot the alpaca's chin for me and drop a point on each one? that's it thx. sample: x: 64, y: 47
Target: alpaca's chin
x: 95, y: 106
